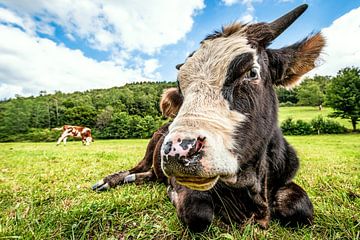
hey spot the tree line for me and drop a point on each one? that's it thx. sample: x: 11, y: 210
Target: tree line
x: 133, y: 111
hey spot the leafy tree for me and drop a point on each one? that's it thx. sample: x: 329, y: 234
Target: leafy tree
x: 104, y: 117
x: 343, y: 94
x: 311, y: 91
x: 310, y: 94
x: 286, y: 96
x: 322, y: 81
x: 83, y: 115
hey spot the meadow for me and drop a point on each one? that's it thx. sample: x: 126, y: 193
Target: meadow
x: 307, y: 113
x: 45, y: 193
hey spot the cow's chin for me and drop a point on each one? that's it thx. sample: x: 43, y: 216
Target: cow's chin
x: 198, y: 183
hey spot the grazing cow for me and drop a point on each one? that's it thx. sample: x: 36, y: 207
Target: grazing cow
x: 224, y: 153
x: 77, y: 132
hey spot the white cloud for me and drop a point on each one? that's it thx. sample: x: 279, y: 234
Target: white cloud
x: 342, y: 44
x: 132, y: 24
x: 230, y: 2
x: 150, y: 66
x: 31, y: 64
x: 248, y: 15
x: 10, y: 17
x: 125, y: 29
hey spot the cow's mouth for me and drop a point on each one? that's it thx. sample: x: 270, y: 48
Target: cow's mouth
x: 198, y: 183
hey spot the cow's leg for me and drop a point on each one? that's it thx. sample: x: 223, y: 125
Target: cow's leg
x: 144, y: 170
x: 88, y: 141
x: 292, y: 206
x: 195, y: 209
x: 59, y: 140
x: 63, y: 136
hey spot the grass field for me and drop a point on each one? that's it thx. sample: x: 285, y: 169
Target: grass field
x: 309, y: 113
x: 45, y: 193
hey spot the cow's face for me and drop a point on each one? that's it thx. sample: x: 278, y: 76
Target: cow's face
x: 228, y: 109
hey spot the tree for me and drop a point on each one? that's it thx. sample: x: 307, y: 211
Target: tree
x: 104, y: 117
x: 343, y: 94
x: 310, y: 94
x: 311, y: 91
x: 286, y: 96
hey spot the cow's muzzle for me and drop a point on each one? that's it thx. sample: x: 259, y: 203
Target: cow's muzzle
x: 181, y: 158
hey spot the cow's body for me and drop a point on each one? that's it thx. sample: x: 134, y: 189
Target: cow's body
x: 77, y: 132
x: 224, y: 153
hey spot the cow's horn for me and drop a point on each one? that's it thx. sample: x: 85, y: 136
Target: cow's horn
x: 282, y: 23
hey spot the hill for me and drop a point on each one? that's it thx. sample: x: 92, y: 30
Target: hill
x: 131, y: 111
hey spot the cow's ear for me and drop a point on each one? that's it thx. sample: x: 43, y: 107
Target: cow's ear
x: 288, y: 64
x: 170, y: 103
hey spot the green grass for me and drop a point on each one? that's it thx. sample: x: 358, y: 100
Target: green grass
x: 309, y: 113
x: 45, y: 193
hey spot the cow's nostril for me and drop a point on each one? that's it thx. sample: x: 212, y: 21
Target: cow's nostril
x: 167, y: 147
x: 198, y: 146
x: 187, y: 143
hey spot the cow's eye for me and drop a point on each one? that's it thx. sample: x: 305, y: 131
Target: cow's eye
x: 252, y: 74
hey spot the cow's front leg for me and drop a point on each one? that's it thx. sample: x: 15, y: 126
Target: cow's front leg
x: 148, y: 169
x: 63, y: 137
x: 119, y: 178
x: 195, y: 209
x: 292, y: 206
x: 256, y: 188
x: 262, y: 212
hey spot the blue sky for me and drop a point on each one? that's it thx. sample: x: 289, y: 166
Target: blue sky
x: 78, y: 45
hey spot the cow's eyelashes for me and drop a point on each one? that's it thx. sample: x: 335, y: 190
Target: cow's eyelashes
x: 252, y: 74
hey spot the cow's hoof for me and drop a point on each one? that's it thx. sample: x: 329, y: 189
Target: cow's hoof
x: 264, y: 222
x: 101, y: 186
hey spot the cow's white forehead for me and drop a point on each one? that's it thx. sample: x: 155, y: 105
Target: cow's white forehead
x: 201, y: 79
x: 209, y: 64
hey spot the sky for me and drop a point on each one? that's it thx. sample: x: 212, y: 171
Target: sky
x: 76, y: 45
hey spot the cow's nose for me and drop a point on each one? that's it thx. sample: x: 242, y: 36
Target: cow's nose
x: 183, y: 148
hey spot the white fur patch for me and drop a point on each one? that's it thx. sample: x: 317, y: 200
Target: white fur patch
x: 130, y: 178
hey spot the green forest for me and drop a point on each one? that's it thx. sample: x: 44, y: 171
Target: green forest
x: 132, y: 111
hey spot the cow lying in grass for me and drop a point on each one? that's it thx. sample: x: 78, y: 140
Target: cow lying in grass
x: 77, y: 132
x: 224, y: 153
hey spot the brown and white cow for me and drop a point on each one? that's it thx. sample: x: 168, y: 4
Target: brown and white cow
x: 77, y: 132
x: 224, y: 153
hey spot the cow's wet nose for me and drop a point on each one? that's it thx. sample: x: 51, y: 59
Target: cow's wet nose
x: 183, y: 148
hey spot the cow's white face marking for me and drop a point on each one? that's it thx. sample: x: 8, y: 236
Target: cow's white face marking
x: 204, y: 111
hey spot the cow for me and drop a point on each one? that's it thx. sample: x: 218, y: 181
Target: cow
x: 224, y: 153
x: 77, y: 132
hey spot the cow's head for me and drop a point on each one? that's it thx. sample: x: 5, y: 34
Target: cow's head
x: 226, y: 107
